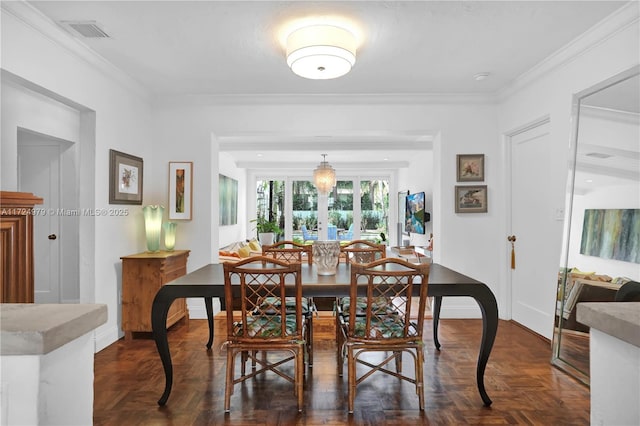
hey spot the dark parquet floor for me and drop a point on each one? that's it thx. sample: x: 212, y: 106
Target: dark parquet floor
x: 524, y: 387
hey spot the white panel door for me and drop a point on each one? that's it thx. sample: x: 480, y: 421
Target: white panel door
x: 40, y: 174
x: 531, y: 185
x: 46, y: 168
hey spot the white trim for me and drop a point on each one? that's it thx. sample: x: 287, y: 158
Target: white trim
x: 279, y: 165
x: 326, y: 99
x: 603, y: 30
x: 105, y: 337
x: 36, y: 20
x: 610, y: 114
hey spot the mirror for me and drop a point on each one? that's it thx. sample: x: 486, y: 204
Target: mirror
x: 600, y: 240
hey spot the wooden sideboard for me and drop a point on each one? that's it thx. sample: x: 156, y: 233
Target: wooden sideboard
x: 142, y: 276
x: 16, y: 246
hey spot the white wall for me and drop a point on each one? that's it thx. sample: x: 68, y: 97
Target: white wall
x: 551, y: 94
x: 29, y: 110
x: 51, y: 389
x: 47, y: 60
x: 614, y: 381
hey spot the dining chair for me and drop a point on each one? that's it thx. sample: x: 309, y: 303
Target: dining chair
x: 347, y: 236
x: 332, y: 232
x: 363, y: 251
x: 385, y: 322
x: 357, y: 251
x: 264, y: 328
x: 291, y: 251
x: 306, y: 236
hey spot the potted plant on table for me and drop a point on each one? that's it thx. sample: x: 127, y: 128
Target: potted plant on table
x: 267, y: 230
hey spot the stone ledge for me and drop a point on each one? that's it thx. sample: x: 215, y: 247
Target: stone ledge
x: 37, y: 329
x: 618, y: 319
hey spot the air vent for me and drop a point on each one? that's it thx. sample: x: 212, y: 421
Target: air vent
x: 598, y: 155
x: 86, y: 29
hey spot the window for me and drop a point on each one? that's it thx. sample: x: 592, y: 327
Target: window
x: 374, y: 207
x: 270, y: 201
x: 356, y: 208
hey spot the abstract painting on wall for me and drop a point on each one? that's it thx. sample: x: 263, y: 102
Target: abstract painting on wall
x: 228, y: 201
x: 611, y: 234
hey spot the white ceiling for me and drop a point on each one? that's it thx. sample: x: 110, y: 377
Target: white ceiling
x: 406, y: 48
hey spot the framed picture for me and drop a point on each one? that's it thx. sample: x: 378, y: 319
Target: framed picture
x: 125, y: 178
x: 470, y: 167
x: 228, y: 188
x: 471, y: 199
x: 180, y: 189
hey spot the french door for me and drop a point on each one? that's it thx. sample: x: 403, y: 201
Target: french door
x: 356, y: 208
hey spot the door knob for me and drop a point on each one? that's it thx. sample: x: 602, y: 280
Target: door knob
x: 52, y: 236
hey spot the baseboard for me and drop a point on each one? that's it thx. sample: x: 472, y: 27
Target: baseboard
x: 460, y: 312
x: 105, y: 337
x: 197, y: 309
x: 540, y: 336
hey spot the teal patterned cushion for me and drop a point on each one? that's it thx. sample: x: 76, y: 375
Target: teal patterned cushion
x: 272, y: 303
x: 266, y: 327
x: 390, y: 326
x: 380, y: 304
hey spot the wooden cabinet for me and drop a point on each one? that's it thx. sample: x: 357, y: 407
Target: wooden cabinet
x: 142, y: 276
x: 16, y: 246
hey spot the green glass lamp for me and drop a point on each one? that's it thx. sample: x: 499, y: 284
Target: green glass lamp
x: 153, y: 226
x: 170, y: 235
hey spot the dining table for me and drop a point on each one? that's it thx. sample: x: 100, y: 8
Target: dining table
x: 208, y: 282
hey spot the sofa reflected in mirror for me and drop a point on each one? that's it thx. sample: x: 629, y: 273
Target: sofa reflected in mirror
x: 602, y: 222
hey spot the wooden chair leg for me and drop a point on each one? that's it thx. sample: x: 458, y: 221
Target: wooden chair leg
x: 253, y: 360
x: 339, y: 344
x: 398, y: 361
x: 420, y: 377
x: 310, y: 340
x: 243, y: 360
x: 228, y: 388
x: 351, y: 371
x: 299, y: 376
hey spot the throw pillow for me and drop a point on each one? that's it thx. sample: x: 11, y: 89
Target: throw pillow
x: 254, y: 245
x: 244, y: 252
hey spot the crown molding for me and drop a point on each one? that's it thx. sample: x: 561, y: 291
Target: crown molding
x: 610, y: 114
x: 619, y: 20
x: 632, y: 175
x: 37, y: 21
x: 325, y: 99
x: 345, y: 167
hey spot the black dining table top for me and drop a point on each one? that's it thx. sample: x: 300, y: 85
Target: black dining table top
x: 323, y: 285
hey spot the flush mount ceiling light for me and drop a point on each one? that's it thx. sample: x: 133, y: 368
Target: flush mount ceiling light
x: 321, y: 51
x: 324, y: 176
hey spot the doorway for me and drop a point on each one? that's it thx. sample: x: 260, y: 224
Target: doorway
x: 356, y: 208
x: 47, y: 167
x: 531, y: 187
